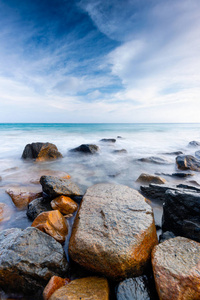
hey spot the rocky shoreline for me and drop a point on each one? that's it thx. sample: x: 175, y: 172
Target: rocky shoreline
x: 102, y: 243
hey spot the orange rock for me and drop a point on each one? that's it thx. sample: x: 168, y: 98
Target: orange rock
x: 90, y: 288
x: 48, y: 152
x: 64, y: 204
x: 4, y: 212
x: 176, y: 268
x: 147, y: 178
x: 22, y: 196
x: 54, y: 284
x: 52, y: 223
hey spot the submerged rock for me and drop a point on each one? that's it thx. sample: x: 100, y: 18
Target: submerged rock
x: 114, y: 231
x: 41, y: 152
x: 54, y: 187
x: 176, y: 267
x: 52, y: 223
x: 28, y: 259
x: 36, y: 207
x: 194, y: 143
x: 188, y: 162
x: 173, y: 153
x: 121, y: 151
x: 64, y: 204
x: 22, y: 196
x: 54, y: 284
x: 147, y: 178
x: 154, y: 160
x: 108, y: 140
x: 85, y: 288
x: 86, y: 148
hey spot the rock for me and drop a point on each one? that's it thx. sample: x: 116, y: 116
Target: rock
x: 194, y: 144
x: 108, y: 140
x: 166, y: 236
x: 188, y: 187
x: 54, y: 187
x: 36, y: 207
x: 176, y: 267
x: 28, y: 259
x: 54, y: 284
x: 114, y: 231
x: 121, y: 151
x: 85, y: 288
x: 22, y: 196
x: 180, y: 174
x: 41, y: 152
x: 156, y: 191
x: 197, y: 154
x: 146, y: 179
x: 188, y: 162
x: 64, y: 204
x: 173, y: 153
x: 86, y: 148
x: 134, y: 288
x: 119, y: 137
x: 155, y: 160
x: 52, y: 223
x: 181, y: 212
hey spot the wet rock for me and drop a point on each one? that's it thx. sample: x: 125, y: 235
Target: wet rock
x: 114, y: 231
x: 41, y: 152
x: 156, y: 191
x: 121, y: 151
x: 86, y: 148
x: 188, y: 187
x: 188, y: 162
x: 52, y: 223
x: 197, y: 154
x: 108, y: 140
x: 147, y: 178
x: 22, y: 196
x: 28, y: 259
x: 85, y: 288
x: 173, y: 153
x: 154, y: 160
x: 54, y: 284
x: 181, y: 212
x: 64, y: 204
x: 176, y: 267
x: 166, y: 236
x: 36, y: 207
x: 54, y: 187
x: 194, y: 143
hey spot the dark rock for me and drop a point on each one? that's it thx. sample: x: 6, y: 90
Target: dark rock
x: 154, y: 160
x: 173, y: 153
x: 156, y: 191
x: 114, y: 175
x: 54, y: 186
x: 188, y: 162
x: 108, y: 140
x: 194, y: 144
x: 166, y: 236
x: 189, y: 187
x: 28, y: 259
x: 197, y: 154
x: 36, y: 207
x: 119, y: 137
x: 41, y: 151
x: 121, y: 151
x: 86, y: 148
x: 181, y: 212
x: 180, y: 175
x: 31, y: 151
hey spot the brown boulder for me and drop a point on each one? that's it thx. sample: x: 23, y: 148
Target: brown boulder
x: 64, y: 204
x: 22, y: 196
x: 114, y: 231
x: 54, y: 284
x: 41, y: 152
x: 147, y: 178
x: 52, y: 223
x: 176, y: 267
x: 90, y: 288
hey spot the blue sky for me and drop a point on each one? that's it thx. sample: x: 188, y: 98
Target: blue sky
x: 99, y: 61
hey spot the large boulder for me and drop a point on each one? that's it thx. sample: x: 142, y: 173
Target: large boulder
x: 41, y: 152
x: 54, y: 187
x: 86, y: 148
x: 52, y: 223
x: 28, y: 259
x: 85, y: 288
x: 36, y: 207
x: 22, y: 196
x: 188, y: 162
x: 147, y: 178
x: 114, y: 231
x: 64, y: 204
x: 176, y: 267
x: 181, y: 212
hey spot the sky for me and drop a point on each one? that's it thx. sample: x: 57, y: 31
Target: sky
x: 99, y: 61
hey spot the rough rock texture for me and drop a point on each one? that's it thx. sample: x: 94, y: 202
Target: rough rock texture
x: 176, y: 267
x: 194, y: 143
x: 22, y: 196
x: 121, y: 151
x: 90, y: 288
x: 147, y: 178
x: 188, y: 162
x: 181, y: 213
x: 41, y: 151
x: 36, y: 207
x: 28, y: 259
x: 54, y: 284
x: 114, y: 231
x: 54, y: 187
x: 108, y: 140
x: 86, y: 148
x: 64, y: 204
x: 155, y: 160
x: 52, y: 223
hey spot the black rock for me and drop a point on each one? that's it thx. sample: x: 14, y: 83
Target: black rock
x: 119, y: 137
x: 156, y: 191
x: 166, y: 236
x: 31, y: 151
x: 108, y: 140
x: 181, y: 213
x: 194, y: 144
x: 86, y: 148
x: 188, y: 162
x: 189, y: 187
x: 180, y: 175
x: 28, y: 259
x: 121, y: 151
x: 36, y: 207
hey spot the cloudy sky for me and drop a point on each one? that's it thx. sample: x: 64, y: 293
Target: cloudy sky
x: 99, y: 61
